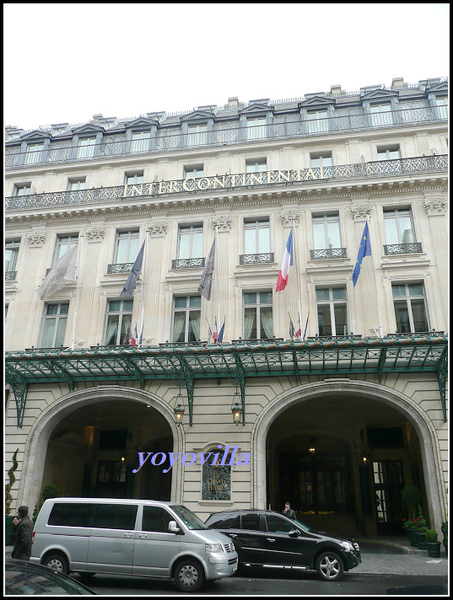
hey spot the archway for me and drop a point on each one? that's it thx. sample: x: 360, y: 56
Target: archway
x: 340, y: 415
x: 97, y: 433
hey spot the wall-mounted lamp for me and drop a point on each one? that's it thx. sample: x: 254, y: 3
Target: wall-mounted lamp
x: 365, y: 453
x: 312, y: 447
x: 236, y: 408
x: 179, y: 408
x: 123, y: 455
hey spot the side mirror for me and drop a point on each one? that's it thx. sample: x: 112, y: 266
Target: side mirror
x: 173, y: 527
x: 294, y: 533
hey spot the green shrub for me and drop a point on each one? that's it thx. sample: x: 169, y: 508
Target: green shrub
x: 431, y: 535
x: 50, y: 491
x: 410, y: 496
x: 423, y: 529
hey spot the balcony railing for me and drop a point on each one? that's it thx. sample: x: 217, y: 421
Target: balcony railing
x: 187, y: 263
x: 327, y: 253
x: 410, y: 248
x: 10, y: 275
x: 277, y: 178
x: 119, y: 268
x: 256, y: 259
x: 167, y: 140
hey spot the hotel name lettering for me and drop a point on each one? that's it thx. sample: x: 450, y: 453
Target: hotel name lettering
x: 224, y: 182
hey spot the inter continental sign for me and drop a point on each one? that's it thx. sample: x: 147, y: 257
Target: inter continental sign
x: 223, y: 182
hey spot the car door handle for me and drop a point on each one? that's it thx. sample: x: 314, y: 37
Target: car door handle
x: 270, y: 539
x: 232, y: 535
x: 143, y: 535
x: 129, y: 534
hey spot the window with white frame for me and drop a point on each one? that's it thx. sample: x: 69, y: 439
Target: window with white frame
x: 11, y: 253
x: 140, y: 141
x: 126, y: 246
x: 118, y: 321
x: 197, y: 135
x: 332, y: 311
x: 257, y: 236
x: 258, y: 316
x: 256, y: 127
x: 317, y: 120
x: 76, y: 183
x: 321, y: 159
x: 186, y: 319
x: 22, y: 189
x: 442, y: 107
x: 381, y: 114
x: 193, y: 172
x: 34, y: 153
x: 326, y: 231
x: 398, y: 226
x: 256, y: 165
x: 190, y: 241
x: 54, y: 326
x: 134, y: 178
x: 86, y: 147
x: 64, y: 244
x: 388, y: 152
x: 410, y: 307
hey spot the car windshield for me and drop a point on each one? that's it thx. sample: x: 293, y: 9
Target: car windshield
x: 188, y: 517
x: 21, y: 579
x: 301, y: 525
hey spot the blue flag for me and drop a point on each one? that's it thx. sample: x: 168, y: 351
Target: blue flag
x: 134, y: 274
x: 364, y: 250
x: 221, y: 332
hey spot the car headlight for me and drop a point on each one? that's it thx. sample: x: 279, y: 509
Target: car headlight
x: 214, y: 548
x: 347, y: 546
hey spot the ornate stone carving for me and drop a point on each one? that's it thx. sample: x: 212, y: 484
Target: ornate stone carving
x: 223, y: 222
x: 157, y: 228
x: 360, y: 211
x: 290, y: 217
x: 95, y: 234
x: 36, y: 239
x: 435, y: 206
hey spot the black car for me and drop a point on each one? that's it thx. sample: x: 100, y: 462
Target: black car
x: 267, y: 538
x: 25, y: 578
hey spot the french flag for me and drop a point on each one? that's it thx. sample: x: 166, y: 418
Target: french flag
x: 286, y: 263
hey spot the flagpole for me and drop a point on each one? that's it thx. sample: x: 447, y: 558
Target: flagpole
x: 143, y: 282
x: 375, y: 286
x: 76, y: 303
x: 217, y: 271
x: 296, y: 267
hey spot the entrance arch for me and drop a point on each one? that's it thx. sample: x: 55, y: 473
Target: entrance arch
x: 48, y: 421
x: 369, y: 394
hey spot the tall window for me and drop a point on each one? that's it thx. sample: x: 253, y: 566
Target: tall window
x: 126, y: 250
x: 410, y: 307
x: 190, y: 241
x: 54, y: 327
x: 258, y: 320
x: 197, y: 135
x: 193, y: 172
x: 34, y: 153
x: 398, y: 226
x: 11, y: 253
x: 442, y: 107
x: 257, y: 236
x: 317, y: 120
x: 64, y: 244
x: 22, y: 189
x: 388, y: 152
x: 119, y: 319
x: 256, y: 165
x: 321, y: 159
x: 326, y: 231
x: 186, y: 319
x: 140, y: 141
x: 86, y: 147
x: 332, y: 311
x: 256, y: 127
x: 381, y: 114
x: 76, y: 183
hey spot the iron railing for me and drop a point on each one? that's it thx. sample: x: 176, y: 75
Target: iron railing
x: 10, y: 275
x: 256, y: 259
x: 408, y: 248
x: 167, y: 140
x: 119, y: 268
x: 400, y: 167
x: 187, y: 263
x: 327, y: 253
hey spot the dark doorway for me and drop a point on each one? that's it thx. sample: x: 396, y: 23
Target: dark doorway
x: 388, y: 484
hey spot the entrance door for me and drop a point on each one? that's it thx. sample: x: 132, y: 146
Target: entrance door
x: 388, y: 483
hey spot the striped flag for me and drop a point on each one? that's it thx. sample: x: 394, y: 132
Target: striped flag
x: 286, y: 263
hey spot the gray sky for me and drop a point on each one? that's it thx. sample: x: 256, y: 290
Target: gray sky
x: 66, y: 62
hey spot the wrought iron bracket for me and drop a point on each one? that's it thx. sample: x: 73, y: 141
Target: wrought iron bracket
x: 240, y: 380
x: 20, y: 389
x: 442, y: 374
x: 187, y: 375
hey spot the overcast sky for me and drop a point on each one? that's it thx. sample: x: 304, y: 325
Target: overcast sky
x: 67, y: 62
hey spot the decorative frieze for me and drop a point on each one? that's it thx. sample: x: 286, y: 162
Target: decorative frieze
x: 223, y: 222
x: 360, y: 211
x: 36, y: 239
x: 95, y: 234
x: 157, y: 228
x: 435, y: 206
x: 290, y: 217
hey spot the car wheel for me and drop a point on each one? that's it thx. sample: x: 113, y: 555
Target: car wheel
x: 189, y: 576
x: 329, y: 566
x: 57, y: 562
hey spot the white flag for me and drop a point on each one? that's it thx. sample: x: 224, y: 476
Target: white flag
x: 64, y: 270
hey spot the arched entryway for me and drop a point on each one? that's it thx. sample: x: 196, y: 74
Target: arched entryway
x: 340, y: 452
x: 87, y: 444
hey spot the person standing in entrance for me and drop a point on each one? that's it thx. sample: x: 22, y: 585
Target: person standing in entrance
x: 288, y: 512
x: 24, y: 534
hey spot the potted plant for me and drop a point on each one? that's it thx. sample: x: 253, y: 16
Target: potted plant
x: 9, y: 530
x: 420, y: 530
x: 432, y: 545
x: 411, y: 497
x: 410, y: 528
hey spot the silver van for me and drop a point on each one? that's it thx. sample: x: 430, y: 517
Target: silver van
x: 131, y: 537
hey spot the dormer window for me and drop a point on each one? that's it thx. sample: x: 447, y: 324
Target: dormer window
x: 256, y: 127
x: 317, y: 120
x: 197, y: 135
x: 140, y: 141
x: 34, y: 153
x: 381, y: 114
x: 86, y: 147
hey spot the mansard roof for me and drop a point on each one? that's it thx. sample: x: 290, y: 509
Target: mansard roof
x: 88, y: 128
x: 258, y: 106
x: 37, y: 135
x: 141, y: 123
x: 438, y: 87
x: 198, y: 115
x: 316, y: 100
x: 379, y: 94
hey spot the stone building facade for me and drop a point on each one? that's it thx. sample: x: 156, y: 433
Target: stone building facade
x: 336, y: 419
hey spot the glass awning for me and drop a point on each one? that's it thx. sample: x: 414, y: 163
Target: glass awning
x: 237, y: 362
